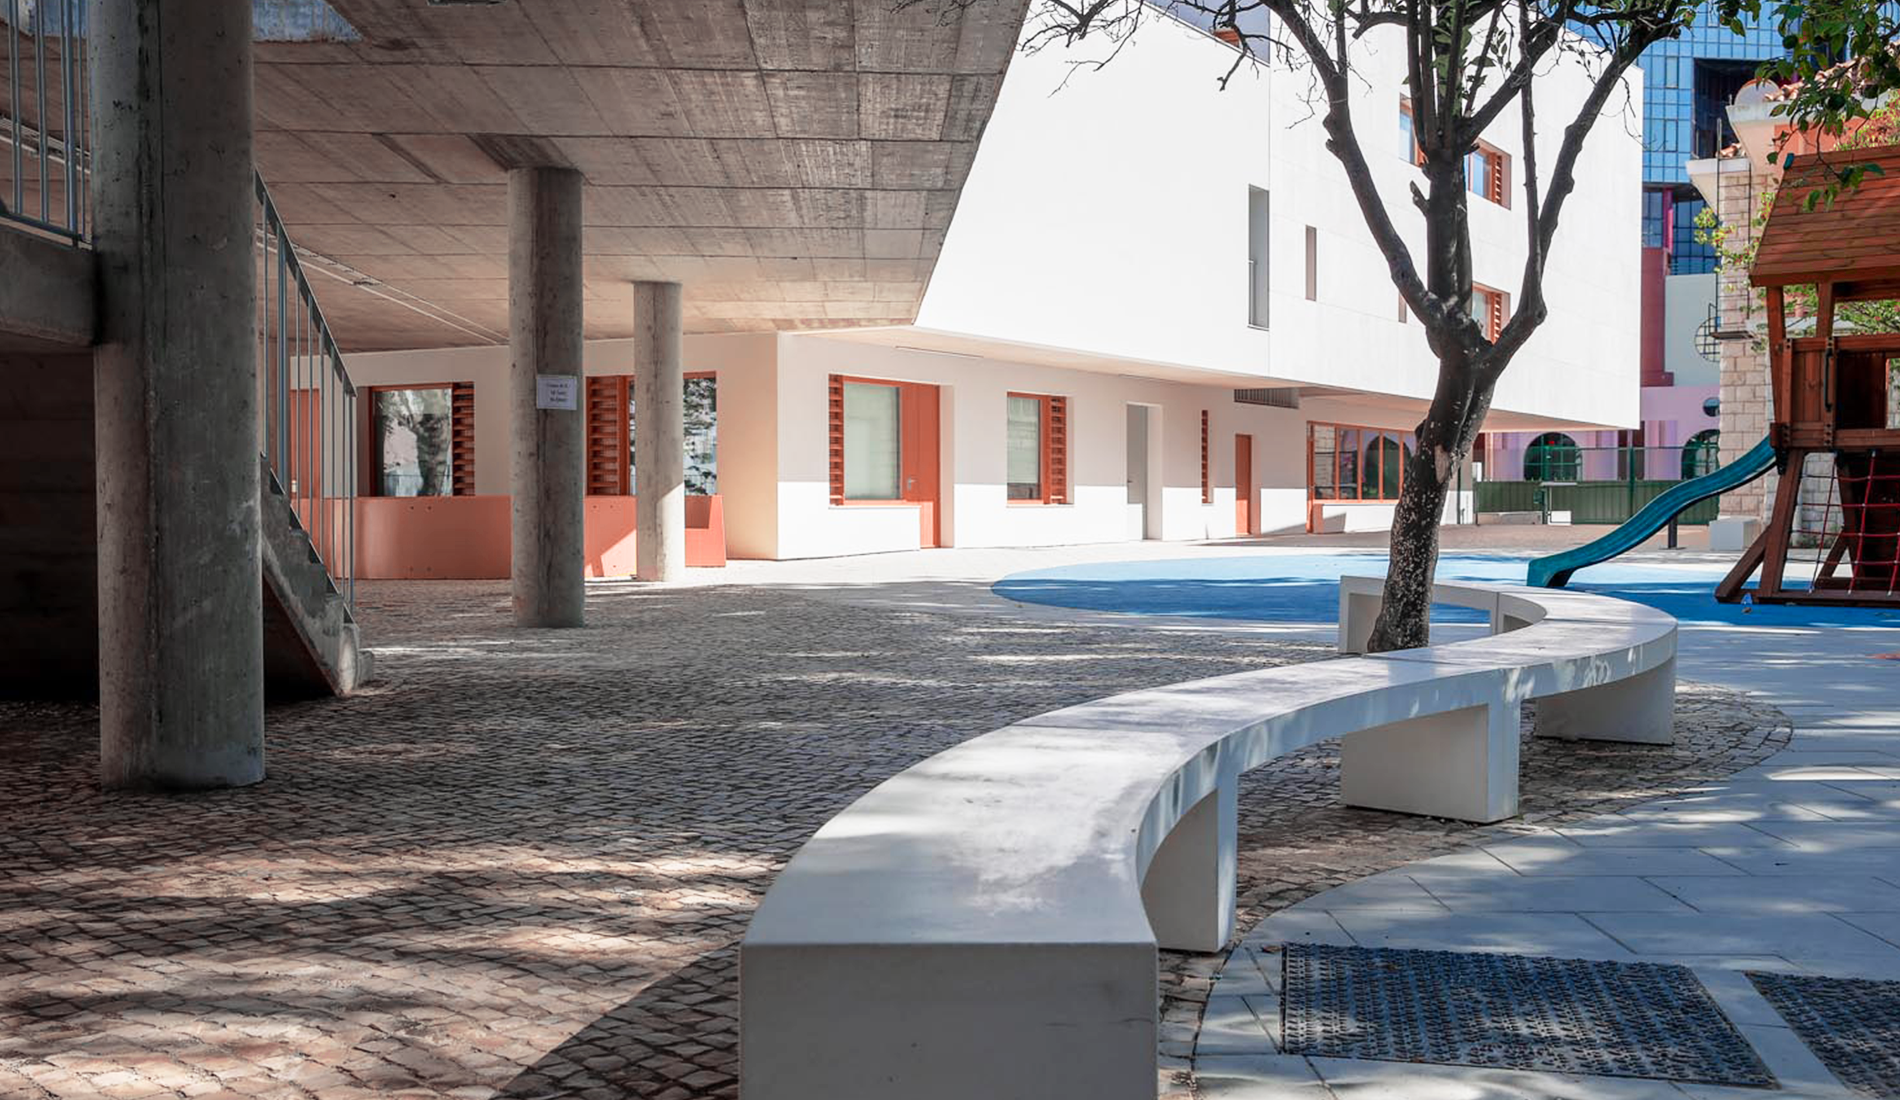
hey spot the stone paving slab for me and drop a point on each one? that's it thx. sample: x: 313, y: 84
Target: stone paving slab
x: 1792, y: 894
x: 1556, y: 856
x: 1780, y: 934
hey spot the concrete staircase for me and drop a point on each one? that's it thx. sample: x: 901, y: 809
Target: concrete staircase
x: 49, y: 610
x: 311, y: 643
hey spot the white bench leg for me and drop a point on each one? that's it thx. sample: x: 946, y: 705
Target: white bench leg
x: 1461, y: 764
x: 1358, y: 610
x: 1640, y: 709
x: 1189, y: 888
x: 943, y: 1021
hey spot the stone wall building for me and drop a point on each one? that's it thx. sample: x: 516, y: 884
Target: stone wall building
x: 1747, y: 399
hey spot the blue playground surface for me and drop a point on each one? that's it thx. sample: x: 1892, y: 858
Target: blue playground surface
x: 1303, y: 588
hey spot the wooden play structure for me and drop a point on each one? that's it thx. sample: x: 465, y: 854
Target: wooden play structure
x: 1834, y: 533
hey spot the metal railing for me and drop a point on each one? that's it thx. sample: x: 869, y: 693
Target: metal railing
x: 45, y: 119
x: 308, y: 403
x: 1594, y: 484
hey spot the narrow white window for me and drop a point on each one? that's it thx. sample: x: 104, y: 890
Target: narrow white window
x: 1257, y: 278
x: 1312, y: 264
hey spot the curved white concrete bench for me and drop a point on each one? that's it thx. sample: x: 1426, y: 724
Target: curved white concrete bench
x: 983, y: 925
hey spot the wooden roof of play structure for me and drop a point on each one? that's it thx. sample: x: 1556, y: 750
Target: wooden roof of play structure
x: 1853, y: 242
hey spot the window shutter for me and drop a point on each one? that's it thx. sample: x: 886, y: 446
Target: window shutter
x: 1058, y: 444
x: 462, y: 439
x: 836, y: 427
x: 1207, y: 480
x: 607, y: 465
x: 1501, y: 180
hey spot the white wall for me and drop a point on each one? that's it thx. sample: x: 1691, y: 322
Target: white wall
x: 1687, y: 300
x: 977, y: 512
x: 774, y: 451
x: 1107, y: 213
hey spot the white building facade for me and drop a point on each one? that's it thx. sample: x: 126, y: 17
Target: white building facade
x: 1157, y: 313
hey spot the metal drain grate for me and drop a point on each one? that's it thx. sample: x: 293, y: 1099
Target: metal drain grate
x: 1851, y: 1024
x: 1512, y: 1011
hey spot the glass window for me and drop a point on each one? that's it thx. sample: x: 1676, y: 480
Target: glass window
x: 413, y: 442
x: 1484, y: 174
x: 1257, y: 270
x: 702, y: 436
x: 700, y: 404
x: 1552, y: 456
x: 1349, y: 464
x: 1325, y: 462
x: 1024, y: 435
x: 1487, y: 308
x: 1384, y: 467
x: 1312, y: 264
x: 1702, y: 455
x: 871, y: 442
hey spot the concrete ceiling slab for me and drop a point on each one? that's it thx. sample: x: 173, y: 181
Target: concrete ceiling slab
x: 793, y: 162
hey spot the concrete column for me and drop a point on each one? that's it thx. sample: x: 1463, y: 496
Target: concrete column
x: 550, y: 443
x: 181, y: 664
x: 659, y: 433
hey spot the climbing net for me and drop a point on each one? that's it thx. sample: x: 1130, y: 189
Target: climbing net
x: 1846, y: 532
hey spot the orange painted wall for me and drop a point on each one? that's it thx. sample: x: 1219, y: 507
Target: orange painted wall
x: 468, y: 537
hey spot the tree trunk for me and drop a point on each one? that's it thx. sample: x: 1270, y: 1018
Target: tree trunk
x: 1444, y: 437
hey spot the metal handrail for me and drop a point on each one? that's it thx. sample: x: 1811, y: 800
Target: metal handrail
x: 33, y: 149
x: 308, y: 403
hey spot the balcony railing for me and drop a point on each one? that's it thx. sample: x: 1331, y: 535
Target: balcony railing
x: 308, y: 402
x: 44, y: 118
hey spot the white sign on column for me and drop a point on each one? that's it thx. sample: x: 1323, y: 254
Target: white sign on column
x: 557, y: 391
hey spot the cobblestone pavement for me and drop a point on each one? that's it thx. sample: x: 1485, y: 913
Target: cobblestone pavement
x: 519, y: 863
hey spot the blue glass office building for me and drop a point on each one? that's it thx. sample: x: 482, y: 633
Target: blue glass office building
x: 1688, y: 83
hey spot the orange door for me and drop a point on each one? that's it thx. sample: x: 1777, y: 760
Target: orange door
x: 1246, y: 501
x: 920, y: 417
x: 303, y: 479
x: 302, y: 474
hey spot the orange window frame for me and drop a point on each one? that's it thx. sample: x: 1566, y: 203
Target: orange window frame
x: 834, y: 438
x: 1497, y: 184
x: 1497, y: 308
x: 461, y: 437
x: 1364, y: 433
x: 609, y: 461
x: 610, y: 431
x: 1055, y: 449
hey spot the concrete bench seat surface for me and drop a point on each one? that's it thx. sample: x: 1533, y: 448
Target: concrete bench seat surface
x: 984, y: 924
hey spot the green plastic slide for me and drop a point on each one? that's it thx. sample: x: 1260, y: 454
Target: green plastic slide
x: 1554, y: 570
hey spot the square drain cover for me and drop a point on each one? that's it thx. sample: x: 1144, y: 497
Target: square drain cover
x: 1513, y: 1012
x: 1851, y: 1024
